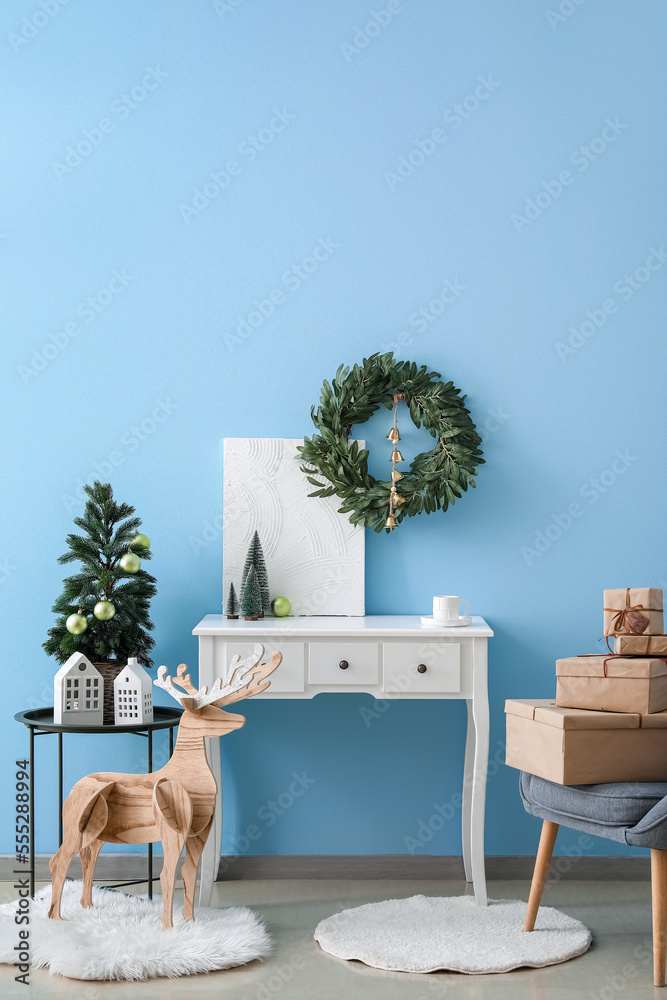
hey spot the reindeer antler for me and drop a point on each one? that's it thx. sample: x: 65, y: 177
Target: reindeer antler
x: 246, y: 679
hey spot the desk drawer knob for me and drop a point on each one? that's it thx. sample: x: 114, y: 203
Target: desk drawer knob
x: 421, y: 669
x: 343, y: 664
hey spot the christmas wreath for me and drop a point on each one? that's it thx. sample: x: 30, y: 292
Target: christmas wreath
x: 435, y: 479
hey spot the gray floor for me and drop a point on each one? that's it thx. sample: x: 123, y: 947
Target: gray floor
x: 618, y: 965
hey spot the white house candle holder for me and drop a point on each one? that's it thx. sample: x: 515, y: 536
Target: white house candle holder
x: 133, y: 695
x: 78, y: 693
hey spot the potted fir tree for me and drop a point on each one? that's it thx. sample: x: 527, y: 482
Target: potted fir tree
x: 103, y: 611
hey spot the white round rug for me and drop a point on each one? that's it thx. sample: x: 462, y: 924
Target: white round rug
x: 121, y: 937
x: 427, y: 934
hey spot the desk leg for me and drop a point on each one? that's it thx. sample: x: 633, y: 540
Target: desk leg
x: 466, y: 804
x: 210, y: 859
x: 480, y: 715
x: 31, y: 822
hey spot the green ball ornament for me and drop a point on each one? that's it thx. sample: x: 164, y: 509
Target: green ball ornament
x: 280, y: 607
x: 104, y: 610
x: 142, y: 540
x: 130, y: 562
x: 76, y: 624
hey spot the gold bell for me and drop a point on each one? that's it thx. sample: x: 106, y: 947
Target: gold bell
x: 390, y: 523
x: 398, y: 500
x: 396, y: 456
x: 396, y: 475
x: 393, y: 435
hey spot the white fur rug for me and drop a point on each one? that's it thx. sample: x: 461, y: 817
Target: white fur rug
x: 427, y: 934
x: 121, y: 937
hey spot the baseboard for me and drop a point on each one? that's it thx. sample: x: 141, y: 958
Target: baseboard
x: 124, y: 867
x: 428, y: 866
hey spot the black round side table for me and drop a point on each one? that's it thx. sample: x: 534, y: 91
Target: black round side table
x: 40, y: 723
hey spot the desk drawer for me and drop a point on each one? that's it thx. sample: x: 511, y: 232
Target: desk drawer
x: 289, y: 677
x: 362, y: 659
x: 403, y: 660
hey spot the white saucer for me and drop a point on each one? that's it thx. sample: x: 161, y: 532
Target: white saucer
x: 462, y: 620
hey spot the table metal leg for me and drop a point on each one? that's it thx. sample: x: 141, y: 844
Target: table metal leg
x: 60, y: 789
x: 31, y: 821
x: 150, y: 846
x: 171, y: 741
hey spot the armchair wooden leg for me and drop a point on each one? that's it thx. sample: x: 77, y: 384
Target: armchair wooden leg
x: 659, y: 897
x: 544, y: 852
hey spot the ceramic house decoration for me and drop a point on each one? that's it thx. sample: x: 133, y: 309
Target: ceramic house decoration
x: 78, y: 693
x: 133, y: 695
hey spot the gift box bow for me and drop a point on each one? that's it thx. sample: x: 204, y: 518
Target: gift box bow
x: 629, y: 617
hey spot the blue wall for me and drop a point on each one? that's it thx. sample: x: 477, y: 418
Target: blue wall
x: 540, y: 199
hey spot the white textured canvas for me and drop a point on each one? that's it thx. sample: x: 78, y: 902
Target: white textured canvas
x: 314, y: 556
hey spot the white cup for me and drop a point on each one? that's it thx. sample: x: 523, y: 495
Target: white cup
x: 447, y: 609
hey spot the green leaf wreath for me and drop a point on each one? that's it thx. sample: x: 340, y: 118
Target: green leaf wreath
x: 436, y: 478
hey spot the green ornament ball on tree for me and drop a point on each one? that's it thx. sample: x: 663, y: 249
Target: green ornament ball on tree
x: 104, y: 611
x: 130, y: 562
x: 76, y: 624
x: 280, y: 607
x: 142, y: 540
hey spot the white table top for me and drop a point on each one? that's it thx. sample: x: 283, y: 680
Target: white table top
x: 369, y: 625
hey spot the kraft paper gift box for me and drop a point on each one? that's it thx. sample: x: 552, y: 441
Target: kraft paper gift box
x: 572, y: 746
x: 612, y: 683
x: 633, y: 611
x: 640, y: 645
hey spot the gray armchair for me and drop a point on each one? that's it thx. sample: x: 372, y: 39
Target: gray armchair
x: 632, y: 813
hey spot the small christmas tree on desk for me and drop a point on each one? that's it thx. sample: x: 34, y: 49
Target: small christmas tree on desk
x: 103, y: 611
x: 251, y: 602
x: 232, y: 608
x: 255, y: 557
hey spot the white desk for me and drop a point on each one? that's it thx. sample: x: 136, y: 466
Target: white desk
x: 390, y: 656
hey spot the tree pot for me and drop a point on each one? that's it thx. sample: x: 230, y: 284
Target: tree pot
x: 109, y: 673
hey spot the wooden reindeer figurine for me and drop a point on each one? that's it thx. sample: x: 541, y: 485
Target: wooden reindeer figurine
x: 175, y: 804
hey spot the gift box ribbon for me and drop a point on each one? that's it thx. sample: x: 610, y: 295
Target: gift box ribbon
x: 615, y: 656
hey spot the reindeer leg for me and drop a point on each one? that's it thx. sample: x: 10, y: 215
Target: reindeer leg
x: 172, y: 808
x: 58, y: 866
x: 193, y: 852
x: 88, y: 857
x: 84, y: 817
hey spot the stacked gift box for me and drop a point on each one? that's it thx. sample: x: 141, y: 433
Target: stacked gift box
x: 609, y: 720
